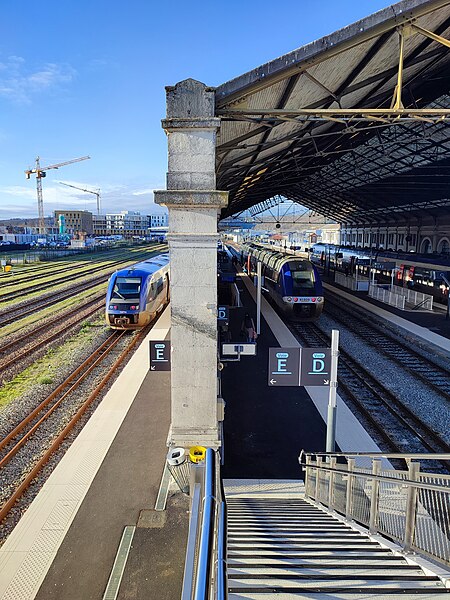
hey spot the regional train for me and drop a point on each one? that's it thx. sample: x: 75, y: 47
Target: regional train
x: 421, y: 272
x: 136, y: 294
x: 293, y: 283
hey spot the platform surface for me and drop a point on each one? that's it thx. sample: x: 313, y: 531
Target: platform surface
x: 65, y: 544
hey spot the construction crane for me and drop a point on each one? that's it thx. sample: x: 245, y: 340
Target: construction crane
x: 40, y: 173
x: 96, y: 193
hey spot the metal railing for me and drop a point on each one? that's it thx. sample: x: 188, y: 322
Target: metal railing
x: 384, y: 294
x: 205, y: 566
x: 410, y: 507
x: 356, y: 284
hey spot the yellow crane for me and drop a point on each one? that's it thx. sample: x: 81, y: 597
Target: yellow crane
x: 40, y: 173
x: 96, y: 193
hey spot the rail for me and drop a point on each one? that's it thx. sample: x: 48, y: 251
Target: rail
x: 410, y: 507
x: 205, y: 566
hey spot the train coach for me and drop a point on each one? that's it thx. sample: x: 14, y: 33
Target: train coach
x: 136, y: 294
x: 292, y: 282
x: 426, y: 273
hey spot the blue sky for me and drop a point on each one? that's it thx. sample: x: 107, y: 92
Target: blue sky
x: 87, y: 78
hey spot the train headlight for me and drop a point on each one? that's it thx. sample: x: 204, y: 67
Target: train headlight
x: 319, y: 299
x: 113, y: 307
x: 134, y: 307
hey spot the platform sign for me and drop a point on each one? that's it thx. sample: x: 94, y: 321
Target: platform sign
x: 160, y: 355
x: 384, y: 266
x: 315, y: 367
x: 223, y: 315
x: 238, y: 349
x: 284, y: 366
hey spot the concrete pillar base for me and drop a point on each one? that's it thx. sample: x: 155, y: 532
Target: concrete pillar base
x: 209, y: 438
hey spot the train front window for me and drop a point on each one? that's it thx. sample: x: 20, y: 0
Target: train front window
x: 302, y: 281
x: 127, y: 288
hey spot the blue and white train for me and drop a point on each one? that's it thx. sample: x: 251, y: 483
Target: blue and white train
x: 292, y: 282
x: 426, y: 273
x: 136, y: 294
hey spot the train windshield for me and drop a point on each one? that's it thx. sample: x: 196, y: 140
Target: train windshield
x: 302, y: 281
x: 126, y: 288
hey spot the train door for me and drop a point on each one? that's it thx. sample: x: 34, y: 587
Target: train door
x: 167, y: 282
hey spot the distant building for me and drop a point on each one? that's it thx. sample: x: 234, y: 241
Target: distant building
x: 127, y: 223
x: 77, y: 221
x: 159, y: 220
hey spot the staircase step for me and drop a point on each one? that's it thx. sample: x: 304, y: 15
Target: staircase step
x: 288, y: 533
x: 243, y: 517
x: 360, y: 542
x: 319, y: 562
x: 265, y: 523
x: 311, y: 553
x: 318, y: 572
x: 286, y: 595
x: 290, y: 547
x: 336, y: 585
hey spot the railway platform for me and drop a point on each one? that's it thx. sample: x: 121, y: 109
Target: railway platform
x: 65, y: 545
x: 265, y: 427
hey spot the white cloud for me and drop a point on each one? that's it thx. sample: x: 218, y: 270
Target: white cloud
x: 20, y: 201
x: 19, y: 82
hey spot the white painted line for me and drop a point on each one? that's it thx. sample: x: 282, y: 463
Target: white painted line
x: 350, y: 434
x: 29, y: 551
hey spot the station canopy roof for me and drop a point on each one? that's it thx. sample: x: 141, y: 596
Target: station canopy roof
x: 354, y: 126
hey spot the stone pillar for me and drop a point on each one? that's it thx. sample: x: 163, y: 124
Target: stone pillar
x: 193, y: 204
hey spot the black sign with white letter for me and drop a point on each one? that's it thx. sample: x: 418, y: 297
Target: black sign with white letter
x: 315, y: 366
x: 284, y: 364
x: 160, y: 355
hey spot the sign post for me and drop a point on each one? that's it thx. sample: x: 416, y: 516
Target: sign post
x: 332, y: 405
x: 258, y: 298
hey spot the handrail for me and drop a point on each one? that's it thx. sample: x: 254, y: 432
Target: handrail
x: 411, y: 507
x: 204, y: 564
x: 221, y: 581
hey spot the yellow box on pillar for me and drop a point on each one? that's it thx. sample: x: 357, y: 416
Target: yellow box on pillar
x: 197, y: 454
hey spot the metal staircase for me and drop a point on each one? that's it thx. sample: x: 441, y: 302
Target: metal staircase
x: 356, y: 529
x: 290, y: 548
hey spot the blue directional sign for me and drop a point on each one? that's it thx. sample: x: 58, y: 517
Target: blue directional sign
x: 315, y: 366
x: 284, y: 365
x: 160, y: 355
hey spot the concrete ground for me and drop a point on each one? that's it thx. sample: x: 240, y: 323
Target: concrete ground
x: 126, y: 484
x: 265, y: 427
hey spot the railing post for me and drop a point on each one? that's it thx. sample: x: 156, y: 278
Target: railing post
x: 331, y: 478
x: 307, y: 478
x: 319, y: 464
x: 349, y: 495
x: 376, y: 468
x: 411, y: 504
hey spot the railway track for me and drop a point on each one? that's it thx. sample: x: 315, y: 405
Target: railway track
x: 87, y: 270
x: 397, y: 425
x: 421, y: 367
x: 14, y: 353
x: 13, y: 314
x: 27, y: 448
